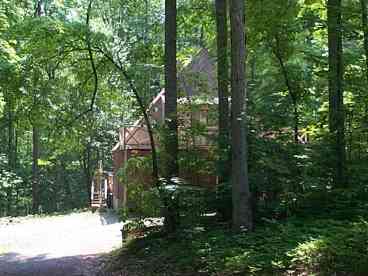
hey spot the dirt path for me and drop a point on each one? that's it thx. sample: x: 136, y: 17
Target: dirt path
x: 69, y: 245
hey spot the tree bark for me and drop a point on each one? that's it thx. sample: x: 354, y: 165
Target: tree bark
x: 336, y: 99
x: 35, y: 173
x: 223, y: 89
x: 242, y: 207
x: 364, y: 5
x: 171, y: 137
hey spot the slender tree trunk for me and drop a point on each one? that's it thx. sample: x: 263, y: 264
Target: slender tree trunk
x: 35, y: 173
x: 242, y: 206
x: 171, y: 139
x: 143, y: 109
x: 15, y: 151
x: 11, y: 136
x: 290, y: 88
x: 296, y: 123
x: 86, y: 162
x: 35, y: 139
x: 38, y: 8
x: 364, y: 5
x: 170, y: 216
x: 350, y: 129
x: 223, y: 89
x: 11, y: 152
x: 336, y: 99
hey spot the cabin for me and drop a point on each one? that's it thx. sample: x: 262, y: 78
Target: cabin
x: 197, y: 99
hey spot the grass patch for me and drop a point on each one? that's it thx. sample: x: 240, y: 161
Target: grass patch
x: 312, y: 247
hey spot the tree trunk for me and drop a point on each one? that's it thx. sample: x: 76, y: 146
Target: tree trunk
x: 171, y: 139
x: 292, y: 92
x: 336, y: 100
x: 296, y: 123
x: 11, y: 152
x: 38, y: 8
x: 365, y: 31
x: 35, y: 139
x: 143, y: 109
x: 242, y: 207
x: 86, y: 162
x: 11, y: 136
x: 35, y: 175
x: 223, y: 90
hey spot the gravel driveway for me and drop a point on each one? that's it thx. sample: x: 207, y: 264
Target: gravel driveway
x: 67, y: 245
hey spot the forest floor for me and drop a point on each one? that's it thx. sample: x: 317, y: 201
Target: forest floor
x: 327, y: 235
x: 297, y: 247
x: 72, y: 245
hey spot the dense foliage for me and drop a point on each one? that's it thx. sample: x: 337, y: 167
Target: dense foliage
x: 67, y: 69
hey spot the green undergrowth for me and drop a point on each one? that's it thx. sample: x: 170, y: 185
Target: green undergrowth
x: 295, y: 247
x: 328, y: 235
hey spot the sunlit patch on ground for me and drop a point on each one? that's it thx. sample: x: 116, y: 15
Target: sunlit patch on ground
x: 57, y: 245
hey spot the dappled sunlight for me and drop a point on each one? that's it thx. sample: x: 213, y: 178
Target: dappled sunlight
x: 183, y: 137
x: 298, y: 247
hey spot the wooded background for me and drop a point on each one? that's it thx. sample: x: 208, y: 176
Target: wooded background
x: 67, y: 69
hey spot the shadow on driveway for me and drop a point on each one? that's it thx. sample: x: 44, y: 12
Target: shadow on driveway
x: 108, y: 217
x: 14, y: 264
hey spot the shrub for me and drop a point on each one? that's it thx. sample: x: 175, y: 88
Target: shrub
x: 143, y: 200
x: 343, y: 249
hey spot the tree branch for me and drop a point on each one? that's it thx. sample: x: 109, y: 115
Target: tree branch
x: 88, y: 42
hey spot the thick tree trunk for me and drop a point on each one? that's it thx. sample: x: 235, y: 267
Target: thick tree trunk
x: 171, y: 123
x: 336, y: 99
x: 223, y: 89
x: 364, y: 4
x: 35, y: 174
x: 171, y: 139
x: 242, y: 207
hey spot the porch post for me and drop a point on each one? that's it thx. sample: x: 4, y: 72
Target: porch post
x: 105, y: 189
x: 92, y: 189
